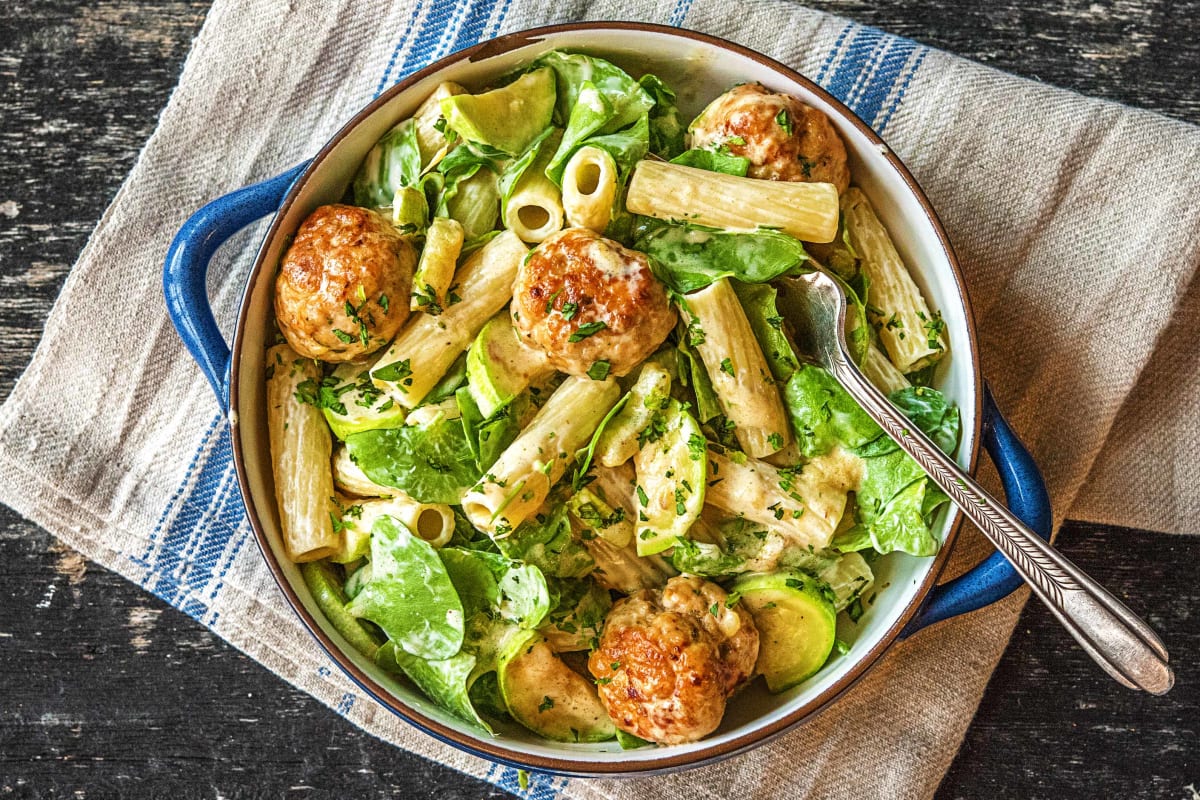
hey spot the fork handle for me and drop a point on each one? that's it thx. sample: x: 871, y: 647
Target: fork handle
x: 1105, y: 628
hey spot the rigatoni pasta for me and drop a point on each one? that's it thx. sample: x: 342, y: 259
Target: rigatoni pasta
x: 435, y: 270
x: 589, y: 188
x: 807, y: 211
x: 519, y: 481
x: 738, y: 370
x: 912, y: 334
x: 301, y: 447
x: 428, y: 344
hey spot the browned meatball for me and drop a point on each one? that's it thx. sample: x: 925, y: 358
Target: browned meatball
x: 667, y: 662
x: 582, y: 298
x: 343, y: 286
x: 784, y: 139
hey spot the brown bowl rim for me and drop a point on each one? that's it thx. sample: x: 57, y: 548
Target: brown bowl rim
x: 491, y: 749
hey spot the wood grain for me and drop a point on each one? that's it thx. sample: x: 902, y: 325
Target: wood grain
x: 109, y: 692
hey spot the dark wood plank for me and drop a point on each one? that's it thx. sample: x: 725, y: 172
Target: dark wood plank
x: 110, y: 692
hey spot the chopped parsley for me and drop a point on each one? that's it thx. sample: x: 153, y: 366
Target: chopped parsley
x: 697, y: 445
x: 353, y: 313
x: 569, y: 310
x: 325, y: 394
x: 714, y: 609
x: 585, y: 330
x: 727, y: 367
x: 784, y: 121
x: 641, y: 494
x: 776, y: 441
x: 546, y: 704
x: 426, y: 300
x: 598, y: 371
x: 385, y: 304
x: 394, y: 372
x: 550, y: 302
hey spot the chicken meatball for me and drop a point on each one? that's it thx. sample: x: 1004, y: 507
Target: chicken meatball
x: 668, y: 660
x: 581, y: 298
x: 343, y: 285
x: 784, y: 139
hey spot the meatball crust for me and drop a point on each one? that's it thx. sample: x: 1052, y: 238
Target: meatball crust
x: 664, y: 671
x: 345, y: 278
x: 577, y: 284
x: 754, y: 123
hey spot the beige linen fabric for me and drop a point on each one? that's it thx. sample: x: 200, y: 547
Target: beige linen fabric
x: 1075, y: 221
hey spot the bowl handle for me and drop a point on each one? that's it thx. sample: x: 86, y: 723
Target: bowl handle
x: 186, y: 269
x: 1026, y: 496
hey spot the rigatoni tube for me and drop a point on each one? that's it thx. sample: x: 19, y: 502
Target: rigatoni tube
x: 435, y: 271
x: 428, y: 344
x: 738, y: 370
x: 808, y: 211
x: 589, y: 186
x: 521, y: 478
x: 882, y: 372
x: 911, y: 333
x: 804, y: 507
x: 301, y: 447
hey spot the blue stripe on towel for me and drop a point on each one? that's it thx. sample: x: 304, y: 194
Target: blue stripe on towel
x: 200, y: 532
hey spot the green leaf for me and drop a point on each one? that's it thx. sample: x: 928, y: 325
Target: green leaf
x: 443, y: 681
x: 515, y: 169
x: 930, y: 411
x: 432, y: 463
x: 713, y: 161
x: 666, y: 125
x: 498, y: 586
x: 488, y: 438
x: 393, y: 163
x: 410, y: 595
x: 687, y: 258
x: 758, y: 301
x: 546, y: 542
x: 902, y: 526
x: 824, y: 415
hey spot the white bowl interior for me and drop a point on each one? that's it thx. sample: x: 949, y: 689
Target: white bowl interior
x: 699, y: 72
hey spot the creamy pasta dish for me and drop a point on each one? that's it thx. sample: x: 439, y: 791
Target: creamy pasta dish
x: 543, y: 443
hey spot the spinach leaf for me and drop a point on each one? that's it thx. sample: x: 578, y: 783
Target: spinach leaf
x: 578, y: 618
x: 824, y: 415
x: 393, y: 163
x: 497, y: 586
x: 512, y: 172
x: 687, y: 258
x: 410, y: 595
x: 594, y: 97
x: 713, y: 161
x: 546, y: 542
x: 901, y: 525
x: 431, y: 463
x: 932, y: 413
x: 627, y: 147
x: 443, y: 681
x: 488, y: 438
x: 666, y: 126
x: 758, y: 301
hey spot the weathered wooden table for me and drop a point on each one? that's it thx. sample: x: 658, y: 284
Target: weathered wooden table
x: 100, y: 680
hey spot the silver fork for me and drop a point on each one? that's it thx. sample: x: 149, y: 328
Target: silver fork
x: 1110, y: 633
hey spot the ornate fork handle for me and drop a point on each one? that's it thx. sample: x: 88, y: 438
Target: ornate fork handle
x: 1108, y: 631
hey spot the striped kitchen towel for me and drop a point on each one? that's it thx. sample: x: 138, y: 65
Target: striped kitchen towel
x: 1077, y: 231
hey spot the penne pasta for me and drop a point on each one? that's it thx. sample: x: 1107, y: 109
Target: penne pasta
x: 435, y: 271
x: 912, y: 334
x: 428, y: 344
x: 520, y: 480
x: 589, y: 188
x: 738, y: 370
x: 301, y: 447
x: 804, y: 507
x: 808, y: 211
